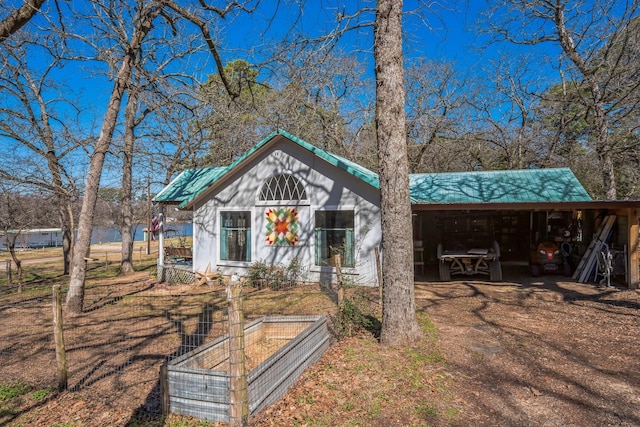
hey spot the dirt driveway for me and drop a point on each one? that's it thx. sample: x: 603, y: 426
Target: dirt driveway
x: 543, y: 353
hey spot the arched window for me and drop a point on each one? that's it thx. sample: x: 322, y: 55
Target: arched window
x: 282, y: 187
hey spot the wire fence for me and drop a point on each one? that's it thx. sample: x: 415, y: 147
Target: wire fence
x: 146, y: 348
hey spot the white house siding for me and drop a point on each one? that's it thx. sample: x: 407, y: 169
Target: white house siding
x: 327, y: 188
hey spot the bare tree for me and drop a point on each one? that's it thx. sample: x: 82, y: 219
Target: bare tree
x: 130, y: 49
x: 436, y: 113
x: 126, y: 263
x: 504, y: 118
x: 592, y: 37
x: 18, y: 18
x: 17, y: 217
x: 308, y: 94
x: 34, y: 118
x: 143, y: 24
x: 399, y: 324
x: 153, y: 92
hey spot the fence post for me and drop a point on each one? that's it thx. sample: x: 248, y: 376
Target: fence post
x: 238, y: 400
x: 58, y: 334
x: 379, y: 271
x: 340, y: 288
x: 164, y: 388
x: 9, y: 278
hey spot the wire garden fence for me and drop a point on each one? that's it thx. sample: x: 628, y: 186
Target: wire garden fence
x: 221, y: 351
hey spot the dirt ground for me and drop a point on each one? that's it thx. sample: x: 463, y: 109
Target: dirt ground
x: 545, y: 353
x: 540, y: 352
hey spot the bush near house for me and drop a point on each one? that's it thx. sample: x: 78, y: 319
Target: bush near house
x: 262, y: 274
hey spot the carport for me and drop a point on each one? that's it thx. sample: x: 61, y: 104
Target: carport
x: 519, y: 209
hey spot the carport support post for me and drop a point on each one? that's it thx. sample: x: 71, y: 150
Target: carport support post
x: 633, y: 261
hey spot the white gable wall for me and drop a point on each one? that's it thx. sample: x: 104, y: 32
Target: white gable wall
x: 327, y: 188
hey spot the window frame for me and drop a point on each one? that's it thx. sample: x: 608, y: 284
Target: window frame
x: 283, y: 202
x: 348, y: 261
x: 223, y: 254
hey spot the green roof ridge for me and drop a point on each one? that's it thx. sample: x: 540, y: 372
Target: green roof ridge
x: 497, y: 186
x: 347, y: 165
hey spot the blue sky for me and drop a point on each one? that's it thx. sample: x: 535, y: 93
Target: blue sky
x: 445, y: 33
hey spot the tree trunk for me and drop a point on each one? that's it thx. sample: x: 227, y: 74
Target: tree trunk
x: 399, y: 324
x: 75, y: 295
x: 126, y: 264
x: 17, y: 262
x: 18, y: 18
x: 66, y: 249
x: 597, y: 103
x: 603, y: 146
x: 66, y: 225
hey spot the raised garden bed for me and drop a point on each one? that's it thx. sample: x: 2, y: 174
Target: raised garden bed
x: 277, y: 349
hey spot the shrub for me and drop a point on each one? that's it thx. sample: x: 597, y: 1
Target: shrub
x: 354, y: 317
x: 275, y: 276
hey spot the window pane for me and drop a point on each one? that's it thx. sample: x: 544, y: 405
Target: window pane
x: 235, y: 236
x: 334, y: 235
x: 283, y: 187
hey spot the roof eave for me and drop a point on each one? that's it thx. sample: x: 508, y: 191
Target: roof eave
x: 530, y: 206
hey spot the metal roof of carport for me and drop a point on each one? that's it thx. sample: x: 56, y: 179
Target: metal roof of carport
x: 532, y: 186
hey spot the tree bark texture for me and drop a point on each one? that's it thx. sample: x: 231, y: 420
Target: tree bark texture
x: 601, y: 129
x: 18, y: 18
x: 64, y: 204
x: 399, y: 324
x: 75, y: 295
x: 126, y: 264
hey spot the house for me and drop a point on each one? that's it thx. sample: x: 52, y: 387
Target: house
x: 33, y: 238
x: 286, y: 200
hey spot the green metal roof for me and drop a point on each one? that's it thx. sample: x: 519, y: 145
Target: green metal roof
x: 353, y: 168
x: 188, y: 183
x: 510, y: 186
x: 347, y: 165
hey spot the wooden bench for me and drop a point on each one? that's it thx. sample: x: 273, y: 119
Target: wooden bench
x: 175, y: 252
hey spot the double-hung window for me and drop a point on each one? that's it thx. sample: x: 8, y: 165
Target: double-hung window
x: 334, y: 233
x: 235, y: 236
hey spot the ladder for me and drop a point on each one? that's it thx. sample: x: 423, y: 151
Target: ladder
x: 583, y: 271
